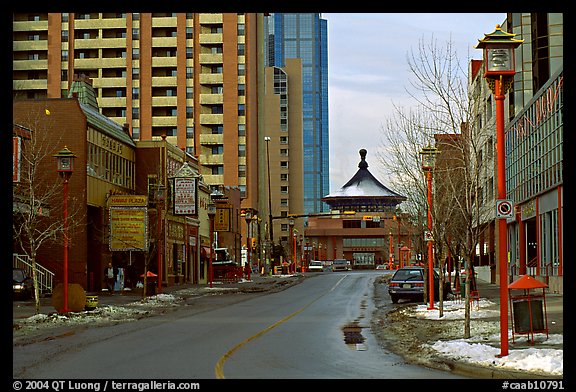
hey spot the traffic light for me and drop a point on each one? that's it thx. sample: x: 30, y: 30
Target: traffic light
x: 254, y: 243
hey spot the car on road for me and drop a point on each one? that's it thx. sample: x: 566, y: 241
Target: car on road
x: 408, y: 283
x: 315, y: 266
x: 341, y: 265
x: 22, y: 284
x: 382, y: 267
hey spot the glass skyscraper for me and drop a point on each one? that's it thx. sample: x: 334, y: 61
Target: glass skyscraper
x: 305, y: 36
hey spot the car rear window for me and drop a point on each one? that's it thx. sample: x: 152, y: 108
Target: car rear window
x: 17, y: 275
x: 408, y: 275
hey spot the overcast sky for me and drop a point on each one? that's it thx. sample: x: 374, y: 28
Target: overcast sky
x: 368, y: 72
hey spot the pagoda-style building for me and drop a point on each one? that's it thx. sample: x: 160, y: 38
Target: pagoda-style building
x: 363, y: 192
x: 364, y: 226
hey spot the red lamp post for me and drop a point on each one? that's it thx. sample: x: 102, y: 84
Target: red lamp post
x: 390, y: 253
x: 291, y: 243
x: 248, y: 218
x: 65, y: 159
x: 499, y: 70
x: 428, y: 162
x: 211, y: 213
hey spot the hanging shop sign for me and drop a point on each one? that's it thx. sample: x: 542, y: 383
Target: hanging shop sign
x: 185, y: 200
x: 128, y: 223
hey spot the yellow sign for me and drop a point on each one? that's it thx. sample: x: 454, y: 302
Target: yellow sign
x: 128, y: 229
x: 222, y: 219
x: 128, y: 201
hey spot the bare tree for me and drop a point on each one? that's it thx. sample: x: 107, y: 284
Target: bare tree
x: 442, y: 107
x: 37, y: 196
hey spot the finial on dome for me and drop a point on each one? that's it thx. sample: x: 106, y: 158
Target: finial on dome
x: 363, y: 164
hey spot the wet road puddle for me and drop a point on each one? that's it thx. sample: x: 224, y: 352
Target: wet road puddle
x: 353, y: 336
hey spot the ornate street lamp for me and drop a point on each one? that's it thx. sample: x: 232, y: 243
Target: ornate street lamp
x: 65, y: 168
x: 499, y: 70
x: 211, y: 209
x: 270, y: 226
x: 428, y: 155
x: 248, y: 218
x: 291, y: 223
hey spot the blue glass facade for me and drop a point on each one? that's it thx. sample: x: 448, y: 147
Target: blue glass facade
x: 305, y: 36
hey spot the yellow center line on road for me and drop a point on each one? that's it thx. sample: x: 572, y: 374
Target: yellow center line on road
x: 219, y: 368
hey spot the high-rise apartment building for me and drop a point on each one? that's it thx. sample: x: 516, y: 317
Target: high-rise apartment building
x: 191, y: 77
x: 282, y: 129
x: 304, y: 36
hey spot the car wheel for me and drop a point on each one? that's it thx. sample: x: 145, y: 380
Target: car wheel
x: 394, y: 299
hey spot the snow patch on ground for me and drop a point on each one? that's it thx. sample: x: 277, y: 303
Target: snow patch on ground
x: 483, y: 347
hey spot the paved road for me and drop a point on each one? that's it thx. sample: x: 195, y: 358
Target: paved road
x: 296, y: 333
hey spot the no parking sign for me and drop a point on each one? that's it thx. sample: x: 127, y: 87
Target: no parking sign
x: 504, y: 209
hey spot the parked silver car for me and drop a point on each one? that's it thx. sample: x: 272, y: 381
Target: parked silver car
x: 341, y: 265
x: 408, y: 283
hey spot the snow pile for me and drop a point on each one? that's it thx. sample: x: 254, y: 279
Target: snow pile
x: 529, y: 359
x: 483, y: 347
x: 158, y: 300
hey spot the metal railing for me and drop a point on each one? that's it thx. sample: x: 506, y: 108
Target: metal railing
x: 44, y: 276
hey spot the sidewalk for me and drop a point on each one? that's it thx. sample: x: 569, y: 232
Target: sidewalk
x: 25, y: 309
x: 553, y: 309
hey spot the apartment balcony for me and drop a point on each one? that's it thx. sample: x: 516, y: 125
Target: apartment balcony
x: 209, y: 139
x: 211, y: 99
x: 213, y: 179
x: 164, y: 61
x: 164, y: 121
x: 112, y: 102
x: 99, y: 43
x: 210, y: 18
x: 210, y: 119
x: 164, y: 81
x: 29, y: 45
x: 172, y: 140
x: 95, y: 63
x: 212, y: 159
x: 29, y: 65
x: 30, y: 26
x: 164, y: 21
x: 37, y: 84
x: 111, y: 82
x: 163, y: 42
x: 164, y: 101
x: 107, y: 23
x: 210, y: 58
x: 210, y: 39
x: 211, y: 78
